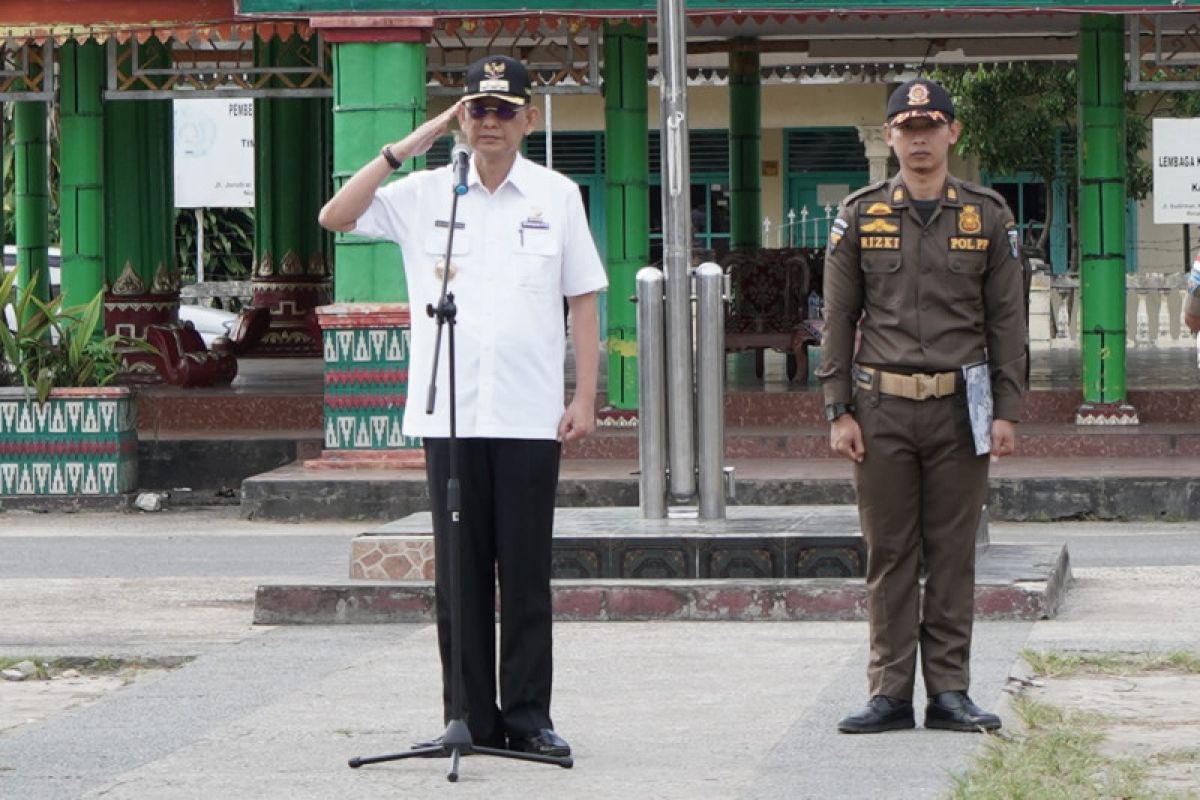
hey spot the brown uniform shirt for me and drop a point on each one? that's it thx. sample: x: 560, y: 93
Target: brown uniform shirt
x: 928, y: 298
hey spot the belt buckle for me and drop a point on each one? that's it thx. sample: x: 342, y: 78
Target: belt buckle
x: 926, y: 386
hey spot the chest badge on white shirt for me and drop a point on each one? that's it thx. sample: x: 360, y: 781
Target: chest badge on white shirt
x: 534, y: 221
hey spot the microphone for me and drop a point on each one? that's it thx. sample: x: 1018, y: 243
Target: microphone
x: 460, y: 157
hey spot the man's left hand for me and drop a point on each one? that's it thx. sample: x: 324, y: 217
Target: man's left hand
x: 578, y: 421
x: 1004, y: 438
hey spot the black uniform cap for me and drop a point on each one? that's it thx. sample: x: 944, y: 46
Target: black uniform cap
x: 920, y: 98
x: 501, y: 77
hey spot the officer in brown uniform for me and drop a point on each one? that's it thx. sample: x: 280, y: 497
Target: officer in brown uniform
x: 927, y: 268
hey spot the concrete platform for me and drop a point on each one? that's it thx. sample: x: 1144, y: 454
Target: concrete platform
x: 1022, y: 489
x: 755, y: 566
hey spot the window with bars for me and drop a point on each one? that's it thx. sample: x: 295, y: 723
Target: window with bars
x: 825, y: 150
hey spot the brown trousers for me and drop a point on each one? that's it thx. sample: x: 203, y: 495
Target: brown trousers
x: 920, y: 491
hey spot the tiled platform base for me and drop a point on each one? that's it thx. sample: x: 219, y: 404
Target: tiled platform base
x: 1014, y: 582
x: 615, y: 543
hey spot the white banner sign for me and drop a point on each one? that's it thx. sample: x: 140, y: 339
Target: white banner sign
x: 214, y: 153
x: 1176, y: 151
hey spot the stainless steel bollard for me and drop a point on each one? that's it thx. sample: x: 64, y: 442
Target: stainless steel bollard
x: 710, y: 389
x: 652, y: 413
x: 677, y: 243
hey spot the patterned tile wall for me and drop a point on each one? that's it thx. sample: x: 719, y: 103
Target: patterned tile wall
x: 67, y: 446
x: 366, y: 386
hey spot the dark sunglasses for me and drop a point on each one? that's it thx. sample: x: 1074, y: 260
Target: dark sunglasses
x: 504, y: 111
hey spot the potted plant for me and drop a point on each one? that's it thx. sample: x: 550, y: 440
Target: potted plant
x: 63, y: 429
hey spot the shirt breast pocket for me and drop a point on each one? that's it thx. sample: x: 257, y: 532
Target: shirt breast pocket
x: 435, y: 243
x: 881, y: 278
x: 965, y: 275
x: 538, y: 261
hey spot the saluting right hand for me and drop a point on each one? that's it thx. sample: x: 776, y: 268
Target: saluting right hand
x: 845, y: 438
x: 422, y: 138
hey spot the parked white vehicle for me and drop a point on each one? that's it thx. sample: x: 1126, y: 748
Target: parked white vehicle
x: 210, y: 322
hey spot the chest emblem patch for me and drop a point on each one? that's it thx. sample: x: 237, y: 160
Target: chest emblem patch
x: 878, y: 210
x: 969, y: 221
x: 881, y: 225
x: 440, y: 267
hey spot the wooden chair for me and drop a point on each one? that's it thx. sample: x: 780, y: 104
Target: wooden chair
x: 768, y: 307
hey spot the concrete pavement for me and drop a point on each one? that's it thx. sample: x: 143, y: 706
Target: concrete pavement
x: 653, y: 710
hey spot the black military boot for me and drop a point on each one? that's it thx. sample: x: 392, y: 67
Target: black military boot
x: 954, y: 711
x: 881, y: 714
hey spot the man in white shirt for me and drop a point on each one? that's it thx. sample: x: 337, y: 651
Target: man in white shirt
x: 521, y: 244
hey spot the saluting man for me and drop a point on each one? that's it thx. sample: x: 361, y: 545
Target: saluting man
x: 521, y: 245
x: 927, y: 267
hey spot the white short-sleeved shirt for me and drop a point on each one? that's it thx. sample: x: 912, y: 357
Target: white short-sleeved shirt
x: 517, y: 253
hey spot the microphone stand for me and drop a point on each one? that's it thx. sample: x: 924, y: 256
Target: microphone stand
x: 456, y: 741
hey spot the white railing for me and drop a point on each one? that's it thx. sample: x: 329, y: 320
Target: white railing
x: 1153, y: 311
x: 803, y: 229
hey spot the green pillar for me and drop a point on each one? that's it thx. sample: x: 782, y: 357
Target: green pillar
x: 291, y: 258
x: 31, y: 195
x: 627, y: 212
x: 378, y: 97
x: 291, y: 180
x: 1102, y: 208
x: 745, y: 146
x: 139, y: 247
x: 81, y: 170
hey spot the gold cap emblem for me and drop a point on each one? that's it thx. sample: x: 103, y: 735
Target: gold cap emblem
x: 494, y: 69
x: 918, y: 95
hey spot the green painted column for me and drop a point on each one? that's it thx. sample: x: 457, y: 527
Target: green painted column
x: 627, y: 210
x: 81, y: 170
x: 1102, y: 208
x: 292, y: 251
x: 31, y: 195
x: 291, y: 181
x: 745, y: 146
x: 139, y: 250
x: 379, y: 97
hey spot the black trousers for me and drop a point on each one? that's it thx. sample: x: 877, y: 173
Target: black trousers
x: 508, y: 488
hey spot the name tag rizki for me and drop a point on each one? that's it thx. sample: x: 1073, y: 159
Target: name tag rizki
x: 879, y: 243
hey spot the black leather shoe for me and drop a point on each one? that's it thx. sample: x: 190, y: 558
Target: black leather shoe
x: 544, y: 742
x: 881, y: 714
x: 954, y: 711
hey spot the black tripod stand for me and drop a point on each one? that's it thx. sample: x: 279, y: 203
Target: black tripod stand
x: 456, y: 741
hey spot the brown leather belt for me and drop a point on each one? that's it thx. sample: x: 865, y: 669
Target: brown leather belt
x: 911, y: 387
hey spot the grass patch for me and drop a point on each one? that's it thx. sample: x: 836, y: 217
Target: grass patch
x: 1054, y: 664
x: 91, y: 665
x: 1056, y: 756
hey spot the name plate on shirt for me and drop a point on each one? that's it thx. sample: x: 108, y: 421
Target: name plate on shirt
x: 445, y: 223
x: 879, y: 243
x: 968, y: 243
